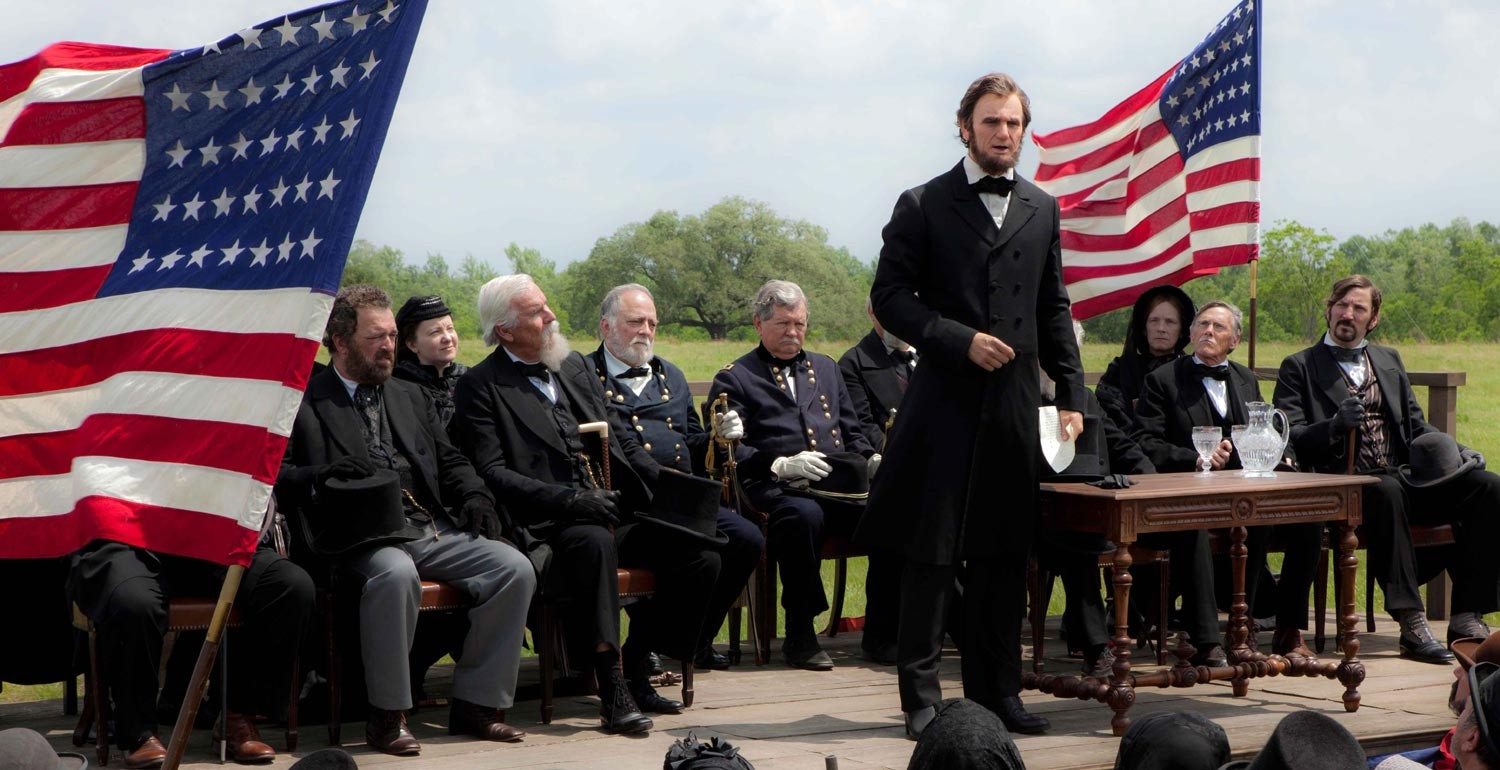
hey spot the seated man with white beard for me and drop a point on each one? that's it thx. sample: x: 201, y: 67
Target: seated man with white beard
x: 518, y: 417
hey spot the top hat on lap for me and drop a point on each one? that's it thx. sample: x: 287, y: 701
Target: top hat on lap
x: 686, y: 504
x: 358, y: 513
x: 1435, y: 458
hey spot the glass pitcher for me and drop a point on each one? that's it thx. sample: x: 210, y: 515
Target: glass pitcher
x: 1262, y: 444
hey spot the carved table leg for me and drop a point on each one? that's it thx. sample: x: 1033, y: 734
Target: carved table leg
x: 1351, y: 672
x: 1122, y: 693
x: 1239, y: 623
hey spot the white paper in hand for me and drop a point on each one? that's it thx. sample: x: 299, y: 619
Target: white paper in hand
x: 1059, y: 453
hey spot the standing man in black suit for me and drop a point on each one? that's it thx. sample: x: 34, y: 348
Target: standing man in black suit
x: 1344, y: 384
x: 971, y: 273
x: 356, y: 421
x: 795, y: 410
x: 651, y: 394
x: 518, y: 417
x: 876, y: 371
x: 1206, y: 388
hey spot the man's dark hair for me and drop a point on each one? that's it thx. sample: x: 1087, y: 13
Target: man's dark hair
x: 344, y: 317
x: 999, y: 84
x: 1346, y: 285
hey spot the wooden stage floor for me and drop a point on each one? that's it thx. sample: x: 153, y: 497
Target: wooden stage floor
x: 784, y: 719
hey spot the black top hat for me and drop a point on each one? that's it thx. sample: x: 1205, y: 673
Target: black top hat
x: 849, y: 481
x: 1484, y: 694
x: 1435, y: 458
x: 358, y: 513
x: 1306, y: 740
x: 1172, y: 740
x: 688, y: 504
x: 1090, y: 463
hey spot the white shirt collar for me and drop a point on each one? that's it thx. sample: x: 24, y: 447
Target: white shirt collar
x: 1220, y: 365
x: 974, y: 173
x: 349, y: 385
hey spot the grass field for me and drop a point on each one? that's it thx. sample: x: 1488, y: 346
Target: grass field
x: 1478, y: 426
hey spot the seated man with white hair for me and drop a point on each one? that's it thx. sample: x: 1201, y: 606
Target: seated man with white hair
x: 796, y: 412
x: 518, y: 417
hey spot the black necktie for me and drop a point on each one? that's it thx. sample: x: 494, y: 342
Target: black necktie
x: 1346, y: 355
x: 535, y: 371
x: 904, y: 356
x: 998, y: 185
x: 367, y: 398
x: 634, y: 372
x: 1220, y: 373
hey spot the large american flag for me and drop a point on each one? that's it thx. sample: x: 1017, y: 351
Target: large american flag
x: 173, y: 225
x: 1166, y: 186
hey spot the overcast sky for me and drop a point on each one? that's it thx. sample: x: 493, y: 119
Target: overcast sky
x: 553, y: 124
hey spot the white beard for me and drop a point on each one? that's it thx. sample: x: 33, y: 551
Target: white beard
x: 633, y: 355
x: 555, y: 348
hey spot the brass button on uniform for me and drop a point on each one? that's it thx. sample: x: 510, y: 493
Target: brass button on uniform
x: 648, y: 446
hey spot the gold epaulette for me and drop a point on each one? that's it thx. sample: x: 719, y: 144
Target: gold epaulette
x: 727, y: 367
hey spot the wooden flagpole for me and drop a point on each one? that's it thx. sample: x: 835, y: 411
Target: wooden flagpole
x: 199, y: 683
x: 1253, y: 264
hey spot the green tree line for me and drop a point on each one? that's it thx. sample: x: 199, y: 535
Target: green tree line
x: 1440, y: 283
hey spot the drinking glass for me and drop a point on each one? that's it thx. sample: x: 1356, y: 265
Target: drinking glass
x: 1206, y: 439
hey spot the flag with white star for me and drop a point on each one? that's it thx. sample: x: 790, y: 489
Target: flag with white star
x: 173, y: 226
x: 1165, y: 187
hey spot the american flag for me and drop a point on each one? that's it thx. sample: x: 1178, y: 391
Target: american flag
x: 1166, y: 186
x: 173, y: 225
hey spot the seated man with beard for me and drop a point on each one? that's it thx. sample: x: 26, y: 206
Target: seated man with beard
x: 651, y: 394
x: 357, y: 423
x: 518, y: 417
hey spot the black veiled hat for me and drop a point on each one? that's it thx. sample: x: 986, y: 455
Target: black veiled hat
x: 419, y: 309
x: 1306, y: 740
x: 1172, y: 740
x: 965, y: 736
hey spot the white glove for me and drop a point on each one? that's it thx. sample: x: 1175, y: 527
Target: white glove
x: 731, y: 427
x: 803, y: 465
x: 874, y: 464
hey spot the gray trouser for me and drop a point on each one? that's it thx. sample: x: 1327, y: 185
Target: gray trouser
x: 498, y: 578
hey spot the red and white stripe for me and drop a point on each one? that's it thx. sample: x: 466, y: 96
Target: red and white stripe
x: 158, y: 418
x: 1135, y: 215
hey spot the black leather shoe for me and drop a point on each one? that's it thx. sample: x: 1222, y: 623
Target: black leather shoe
x: 618, y: 711
x: 653, y: 664
x: 648, y: 700
x: 710, y: 659
x: 1018, y: 720
x: 1213, y: 657
x: 1099, y: 663
x: 386, y: 731
x: 806, y: 654
x: 1418, y: 643
x: 1471, y: 628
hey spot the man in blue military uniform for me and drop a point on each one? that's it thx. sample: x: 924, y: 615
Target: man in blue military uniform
x: 795, y: 408
x: 651, y: 395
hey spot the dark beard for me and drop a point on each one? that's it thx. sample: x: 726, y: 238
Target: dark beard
x: 366, y: 371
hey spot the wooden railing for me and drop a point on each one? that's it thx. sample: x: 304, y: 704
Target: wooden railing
x: 1442, y: 393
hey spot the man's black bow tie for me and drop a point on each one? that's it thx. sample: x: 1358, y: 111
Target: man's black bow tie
x: 904, y: 356
x: 538, y: 371
x: 635, y: 371
x: 998, y: 185
x: 1346, y: 355
x: 1220, y: 373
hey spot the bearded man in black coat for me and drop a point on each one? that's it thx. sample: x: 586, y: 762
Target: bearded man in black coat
x: 971, y: 274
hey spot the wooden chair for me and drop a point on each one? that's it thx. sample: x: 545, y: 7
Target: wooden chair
x: 436, y: 597
x: 183, y: 614
x: 1039, y: 594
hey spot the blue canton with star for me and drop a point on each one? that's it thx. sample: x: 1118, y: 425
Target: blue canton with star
x: 260, y: 149
x: 1214, y: 94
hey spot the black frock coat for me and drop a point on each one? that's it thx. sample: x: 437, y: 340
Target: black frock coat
x: 874, y: 389
x: 959, y: 478
x: 1173, y: 401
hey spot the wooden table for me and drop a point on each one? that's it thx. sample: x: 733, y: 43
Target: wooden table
x: 1172, y: 502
